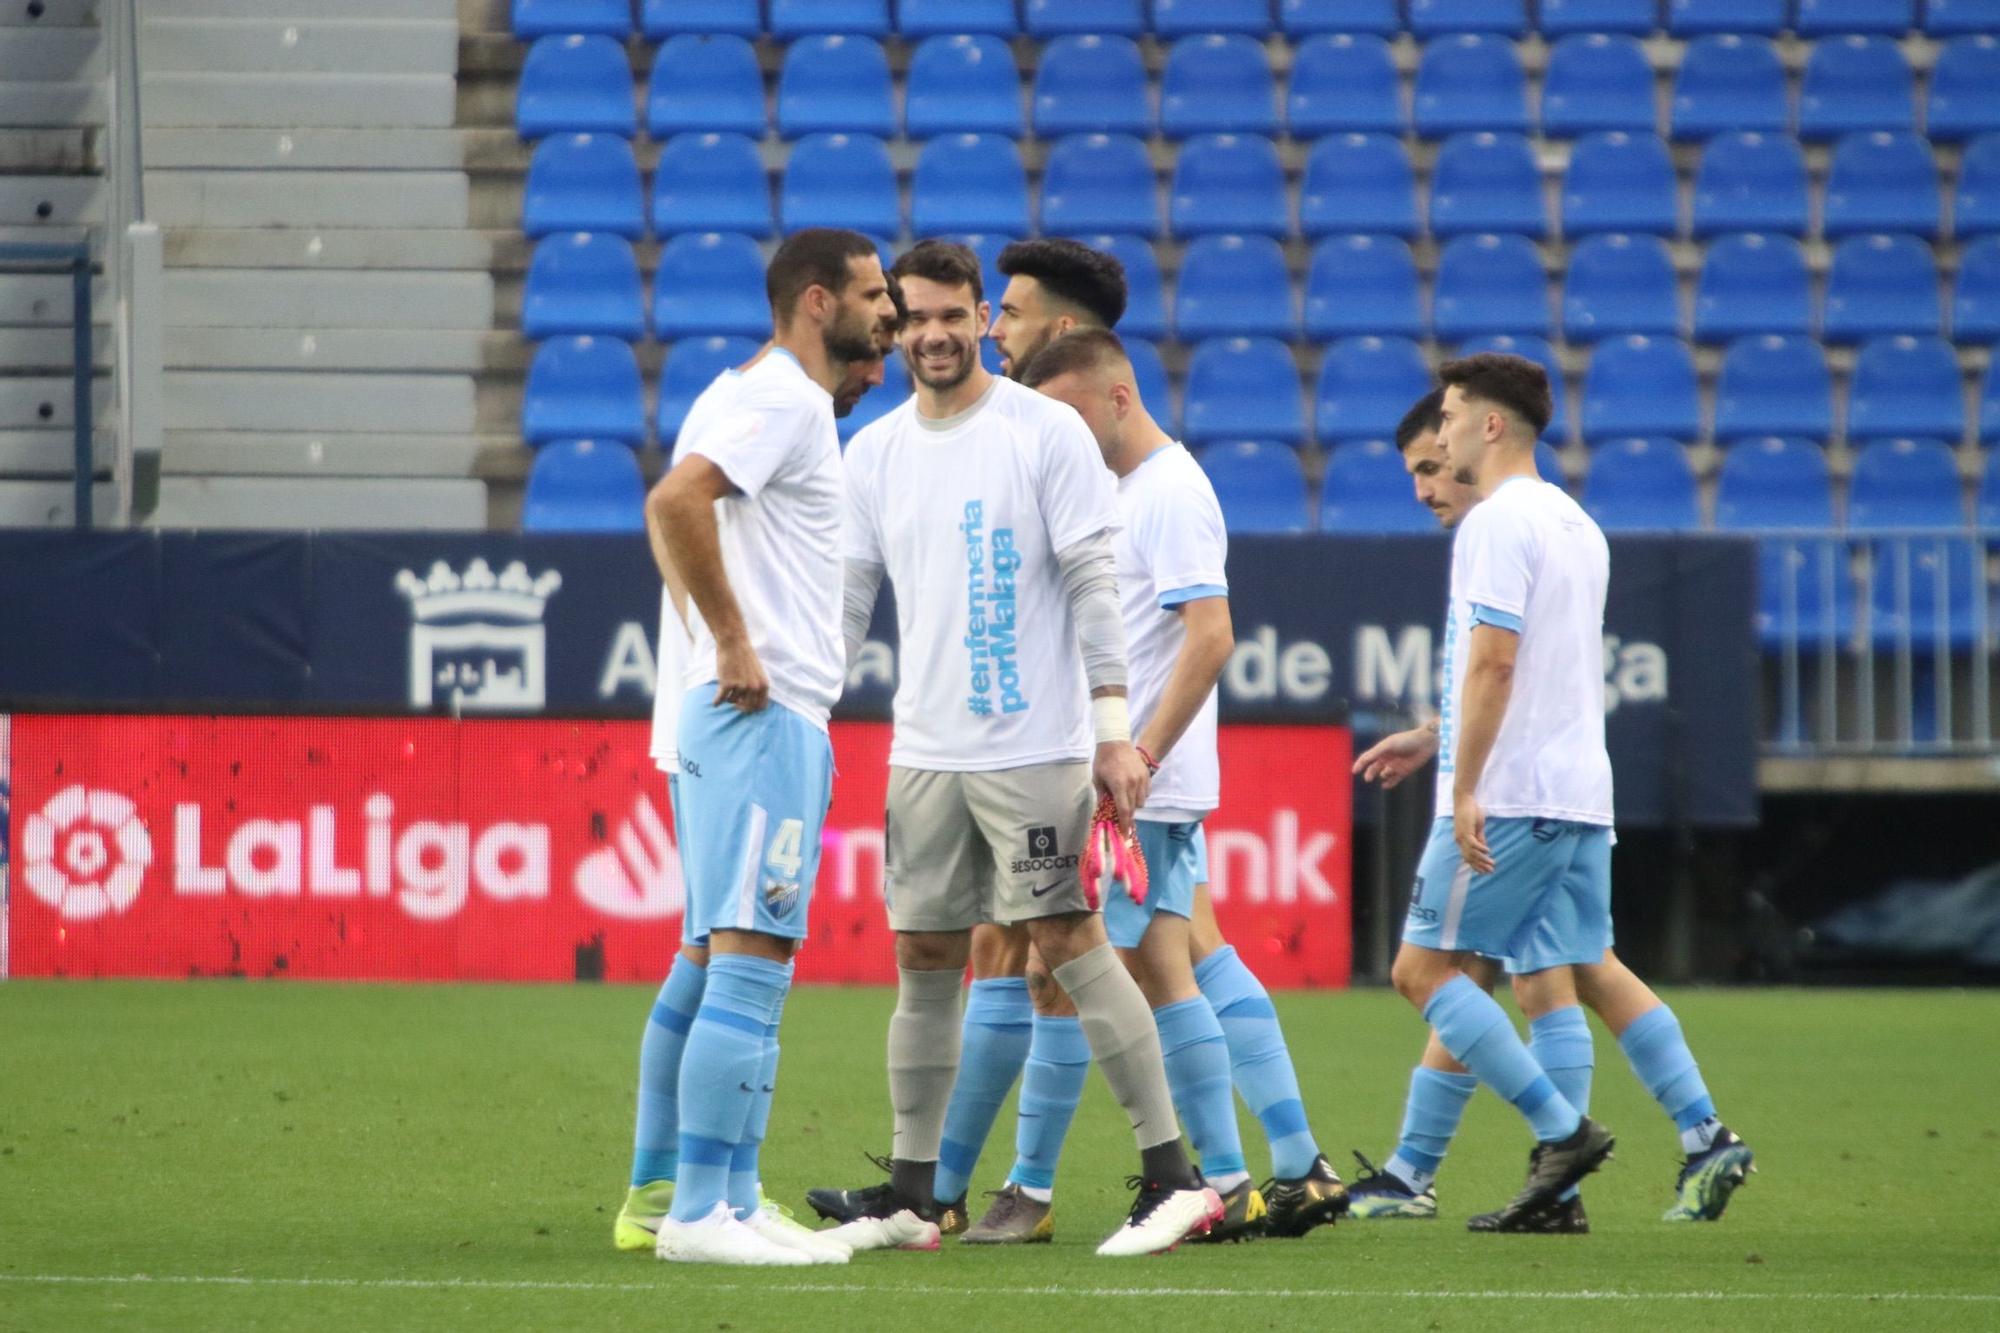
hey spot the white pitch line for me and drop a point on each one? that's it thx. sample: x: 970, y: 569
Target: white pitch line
x: 849, y: 1288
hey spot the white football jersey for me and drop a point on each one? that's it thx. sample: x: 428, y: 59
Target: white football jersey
x: 674, y: 649
x: 1528, y: 558
x: 781, y: 534
x: 966, y: 514
x: 1171, y: 550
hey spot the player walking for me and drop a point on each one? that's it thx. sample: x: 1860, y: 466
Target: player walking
x: 989, y: 509
x: 750, y: 519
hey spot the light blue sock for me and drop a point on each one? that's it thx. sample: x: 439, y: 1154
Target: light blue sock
x: 719, y: 1072
x: 998, y: 1021
x: 656, y: 1135
x: 743, y: 1172
x: 1560, y: 1042
x: 1663, y: 1062
x: 1259, y: 1060
x: 1474, y: 1028
x: 1058, y: 1062
x: 1198, y: 1077
x: 1430, y: 1121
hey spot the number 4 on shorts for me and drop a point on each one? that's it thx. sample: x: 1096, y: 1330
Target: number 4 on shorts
x: 784, y: 855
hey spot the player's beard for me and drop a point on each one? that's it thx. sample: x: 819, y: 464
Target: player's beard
x: 968, y: 357
x: 851, y: 338
x: 1017, y: 364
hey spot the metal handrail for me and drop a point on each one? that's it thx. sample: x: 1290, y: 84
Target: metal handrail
x: 72, y: 258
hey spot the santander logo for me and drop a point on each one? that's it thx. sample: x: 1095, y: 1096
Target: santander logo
x: 85, y: 853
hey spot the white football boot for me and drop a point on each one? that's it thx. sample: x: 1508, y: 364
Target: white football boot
x: 1162, y: 1218
x: 901, y: 1230
x: 720, y: 1239
x: 770, y: 1222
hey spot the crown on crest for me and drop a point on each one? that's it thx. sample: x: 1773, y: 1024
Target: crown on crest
x: 446, y: 594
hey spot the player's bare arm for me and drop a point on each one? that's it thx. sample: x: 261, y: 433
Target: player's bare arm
x: 1198, y: 665
x: 1393, y: 758
x: 1489, y: 682
x: 682, y: 510
x: 657, y: 540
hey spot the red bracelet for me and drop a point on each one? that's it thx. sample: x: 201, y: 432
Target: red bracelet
x: 1152, y: 764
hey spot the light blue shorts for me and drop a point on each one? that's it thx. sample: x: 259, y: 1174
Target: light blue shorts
x: 749, y: 807
x: 1176, y: 860
x: 1546, y: 904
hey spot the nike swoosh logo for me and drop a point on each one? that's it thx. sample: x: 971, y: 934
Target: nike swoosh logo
x: 1046, y: 888
x: 746, y: 1087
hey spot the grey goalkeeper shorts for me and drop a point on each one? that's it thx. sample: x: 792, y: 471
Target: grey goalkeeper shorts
x: 1001, y: 847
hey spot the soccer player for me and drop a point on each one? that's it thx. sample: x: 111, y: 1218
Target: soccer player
x: 750, y: 519
x: 1718, y: 1162
x: 1174, y: 593
x: 656, y: 1130
x: 988, y: 507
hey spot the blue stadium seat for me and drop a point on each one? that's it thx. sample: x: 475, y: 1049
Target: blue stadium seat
x: 1228, y: 183
x: 1358, y: 183
x: 1805, y: 594
x: 945, y: 18
x: 576, y: 84
x: 1774, y: 384
x: 1470, y: 82
x: 661, y: 20
x: 1487, y: 182
x: 1964, y: 90
x: 1156, y: 391
x: 1303, y: 18
x: 1366, y: 489
x: 1366, y: 384
x: 1951, y: 18
x: 584, y: 486
x: 1099, y: 182
x: 691, y: 366
x: 991, y: 281
x: 1975, y: 299
x: 1989, y: 405
x: 1822, y: 18
x: 1854, y: 84
x: 1752, y: 284
x: 1244, y: 388
x: 969, y: 182
x: 1730, y: 83
x: 835, y: 84
x: 1432, y: 18
x: 1620, y: 284
x: 1056, y: 18
x: 1186, y: 18
x: 1362, y: 284
x: 1907, y: 604
x: 1641, y: 485
x: 1561, y: 17
x: 806, y: 18
x: 1906, y: 386
x: 1092, y: 84
x: 1905, y: 483
x: 1687, y: 18
x: 1537, y: 350
x: 1218, y: 83
x: 710, y: 283
x: 711, y: 182
x: 1879, y: 285
x: 1986, y: 504
x: 583, y: 182
x: 1145, y: 289
x: 1976, y: 209
x: 1881, y: 182
x: 1233, y: 286
x: 1549, y: 465
x: 583, y: 388
x: 1639, y: 385
x: 1261, y: 487
x: 841, y: 180
x: 1597, y: 82
x: 1773, y: 483
x: 705, y: 83
x: 1490, y: 284
x: 879, y: 401
x: 963, y: 85
x: 583, y: 282
x: 545, y: 18
x: 1619, y: 182
x: 1343, y: 82
x: 1750, y: 182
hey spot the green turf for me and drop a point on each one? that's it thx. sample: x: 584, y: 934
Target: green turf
x: 290, y: 1155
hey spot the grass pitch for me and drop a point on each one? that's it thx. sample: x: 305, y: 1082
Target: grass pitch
x: 213, y: 1154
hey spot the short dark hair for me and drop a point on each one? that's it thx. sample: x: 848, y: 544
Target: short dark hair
x: 1078, y: 350
x: 1513, y: 382
x: 1421, y: 419
x: 815, y: 257
x: 946, y: 263
x: 896, y: 299
x: 1090, y: 280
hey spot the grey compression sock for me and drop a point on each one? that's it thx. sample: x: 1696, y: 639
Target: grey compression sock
x: 1123, y: 1040
x: 923, y: 1059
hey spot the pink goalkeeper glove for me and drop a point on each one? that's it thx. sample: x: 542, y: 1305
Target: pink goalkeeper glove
x: 1110, y: 859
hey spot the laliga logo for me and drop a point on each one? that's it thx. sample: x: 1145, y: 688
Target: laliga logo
x: 85, y: 853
